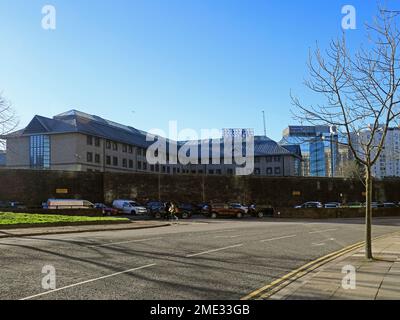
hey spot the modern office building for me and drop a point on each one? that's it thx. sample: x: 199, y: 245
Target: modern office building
x: 319, y: 148
x: 388, y: 164
x: 2, y: 158
x: 76, y: 141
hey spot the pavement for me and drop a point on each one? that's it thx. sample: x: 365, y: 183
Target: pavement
x: 378, y: 279
x: 191, y: 260
x: 37, y: 231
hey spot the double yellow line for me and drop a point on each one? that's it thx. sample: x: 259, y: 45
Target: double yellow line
x: 272, y: 288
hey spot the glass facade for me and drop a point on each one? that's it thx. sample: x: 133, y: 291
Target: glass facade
x: 319, y: 147
x: 39, y: 148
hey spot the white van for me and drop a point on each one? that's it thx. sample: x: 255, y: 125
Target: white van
x: 56, y: 204
x: 129, y: 207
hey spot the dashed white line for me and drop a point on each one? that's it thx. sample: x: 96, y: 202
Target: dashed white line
x: 227, y: 237
x: 214, y: 250
x: 122, y: 242
x: 322, y: 231
x: 88, y: 281
x: 280, y: 238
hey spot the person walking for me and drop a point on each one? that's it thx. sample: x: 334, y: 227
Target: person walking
x: 173, y: 210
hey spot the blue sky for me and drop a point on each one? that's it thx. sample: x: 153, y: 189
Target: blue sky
x: 205, y: 63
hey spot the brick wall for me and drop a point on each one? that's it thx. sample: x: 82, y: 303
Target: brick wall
x: 34, y: 187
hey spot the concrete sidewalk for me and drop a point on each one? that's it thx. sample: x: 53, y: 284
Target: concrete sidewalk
x: 39, y: 231
x: 376, y: 280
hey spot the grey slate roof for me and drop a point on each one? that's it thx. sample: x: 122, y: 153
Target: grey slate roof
x: 78, y: 122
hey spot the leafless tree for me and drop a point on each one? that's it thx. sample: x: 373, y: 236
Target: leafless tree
x: 361, y: 92
x: 8, y: 118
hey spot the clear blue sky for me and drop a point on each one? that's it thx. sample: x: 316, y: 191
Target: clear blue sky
x: 204, y: 63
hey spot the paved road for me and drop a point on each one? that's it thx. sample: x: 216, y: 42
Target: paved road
x: 221, y: 259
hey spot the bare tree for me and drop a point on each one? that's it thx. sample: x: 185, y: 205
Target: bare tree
x: 360, y: 88
x: 8, y: 118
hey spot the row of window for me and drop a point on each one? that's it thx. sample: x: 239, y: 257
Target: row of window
x: 113, y: 145
x: 114, y: 161
x: 268, y: 159
x: 269, y: 171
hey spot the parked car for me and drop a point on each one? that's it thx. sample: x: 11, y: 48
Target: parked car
x: 260, y: 211
x: 354, y: 205
x: 332, y: 205
x: 186, y: 210
x: 225, y: 210
x: 390, y: 205
x: 240, y: 206
x: 156, y: 209
x: 59, y: 204
x: 17, y: 205
x: 311, y: 204
x: 129, y: 207
x: 106, y: 210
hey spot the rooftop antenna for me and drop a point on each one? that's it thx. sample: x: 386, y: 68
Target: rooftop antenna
x: 265, y: 126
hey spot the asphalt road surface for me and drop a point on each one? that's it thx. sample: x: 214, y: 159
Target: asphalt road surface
x: 201, y: 259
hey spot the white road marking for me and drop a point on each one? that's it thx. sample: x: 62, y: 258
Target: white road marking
x: 221, y: 231
x: 322, y: 231
x: 227, y: 237
x: 122, y: 242
x: 280, y: 238
x: 88, y: 281
x: 215, y: 250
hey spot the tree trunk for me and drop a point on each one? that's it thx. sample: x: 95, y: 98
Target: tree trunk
x: 368, y: 214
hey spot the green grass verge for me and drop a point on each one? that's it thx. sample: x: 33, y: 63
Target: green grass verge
x: 9, y: 218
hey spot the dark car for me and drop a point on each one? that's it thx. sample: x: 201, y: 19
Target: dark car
x: 106, y: 210
x: 186, y: 210
x: 157, y: 209
x: 260, y: 211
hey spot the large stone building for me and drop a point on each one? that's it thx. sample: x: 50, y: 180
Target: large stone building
x: 76, y: 141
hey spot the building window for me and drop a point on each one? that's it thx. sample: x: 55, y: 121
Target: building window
x: 125, y: 163
x: 108, y: 160
x: 257, y: 160
x: 269, y: 159
x: 108, y: 144
x: 218, y: 171
x: 277, y: 170
x: 115, y: 161
x: 269, y: 171
x: 168, y: 170
x: 89, y: 140
x: 277, y: 159
x: 124, y: 148
x: 139, y: 165
x: 163, y: 169
x: 152, y: 167
x: 97, y: 142
x: 230, y: 171
x: 130, y: 164
x: 257, y: 171
x: 130, y: 149
x: 40, y: 152
x: 89, y: 157
x: 210, y: 171
x: 115, y: 146
x: 144, y: 166
x: 157, y: 168
x: 97, y: 158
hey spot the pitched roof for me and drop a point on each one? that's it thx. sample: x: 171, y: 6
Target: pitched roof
x: 74, y: 121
